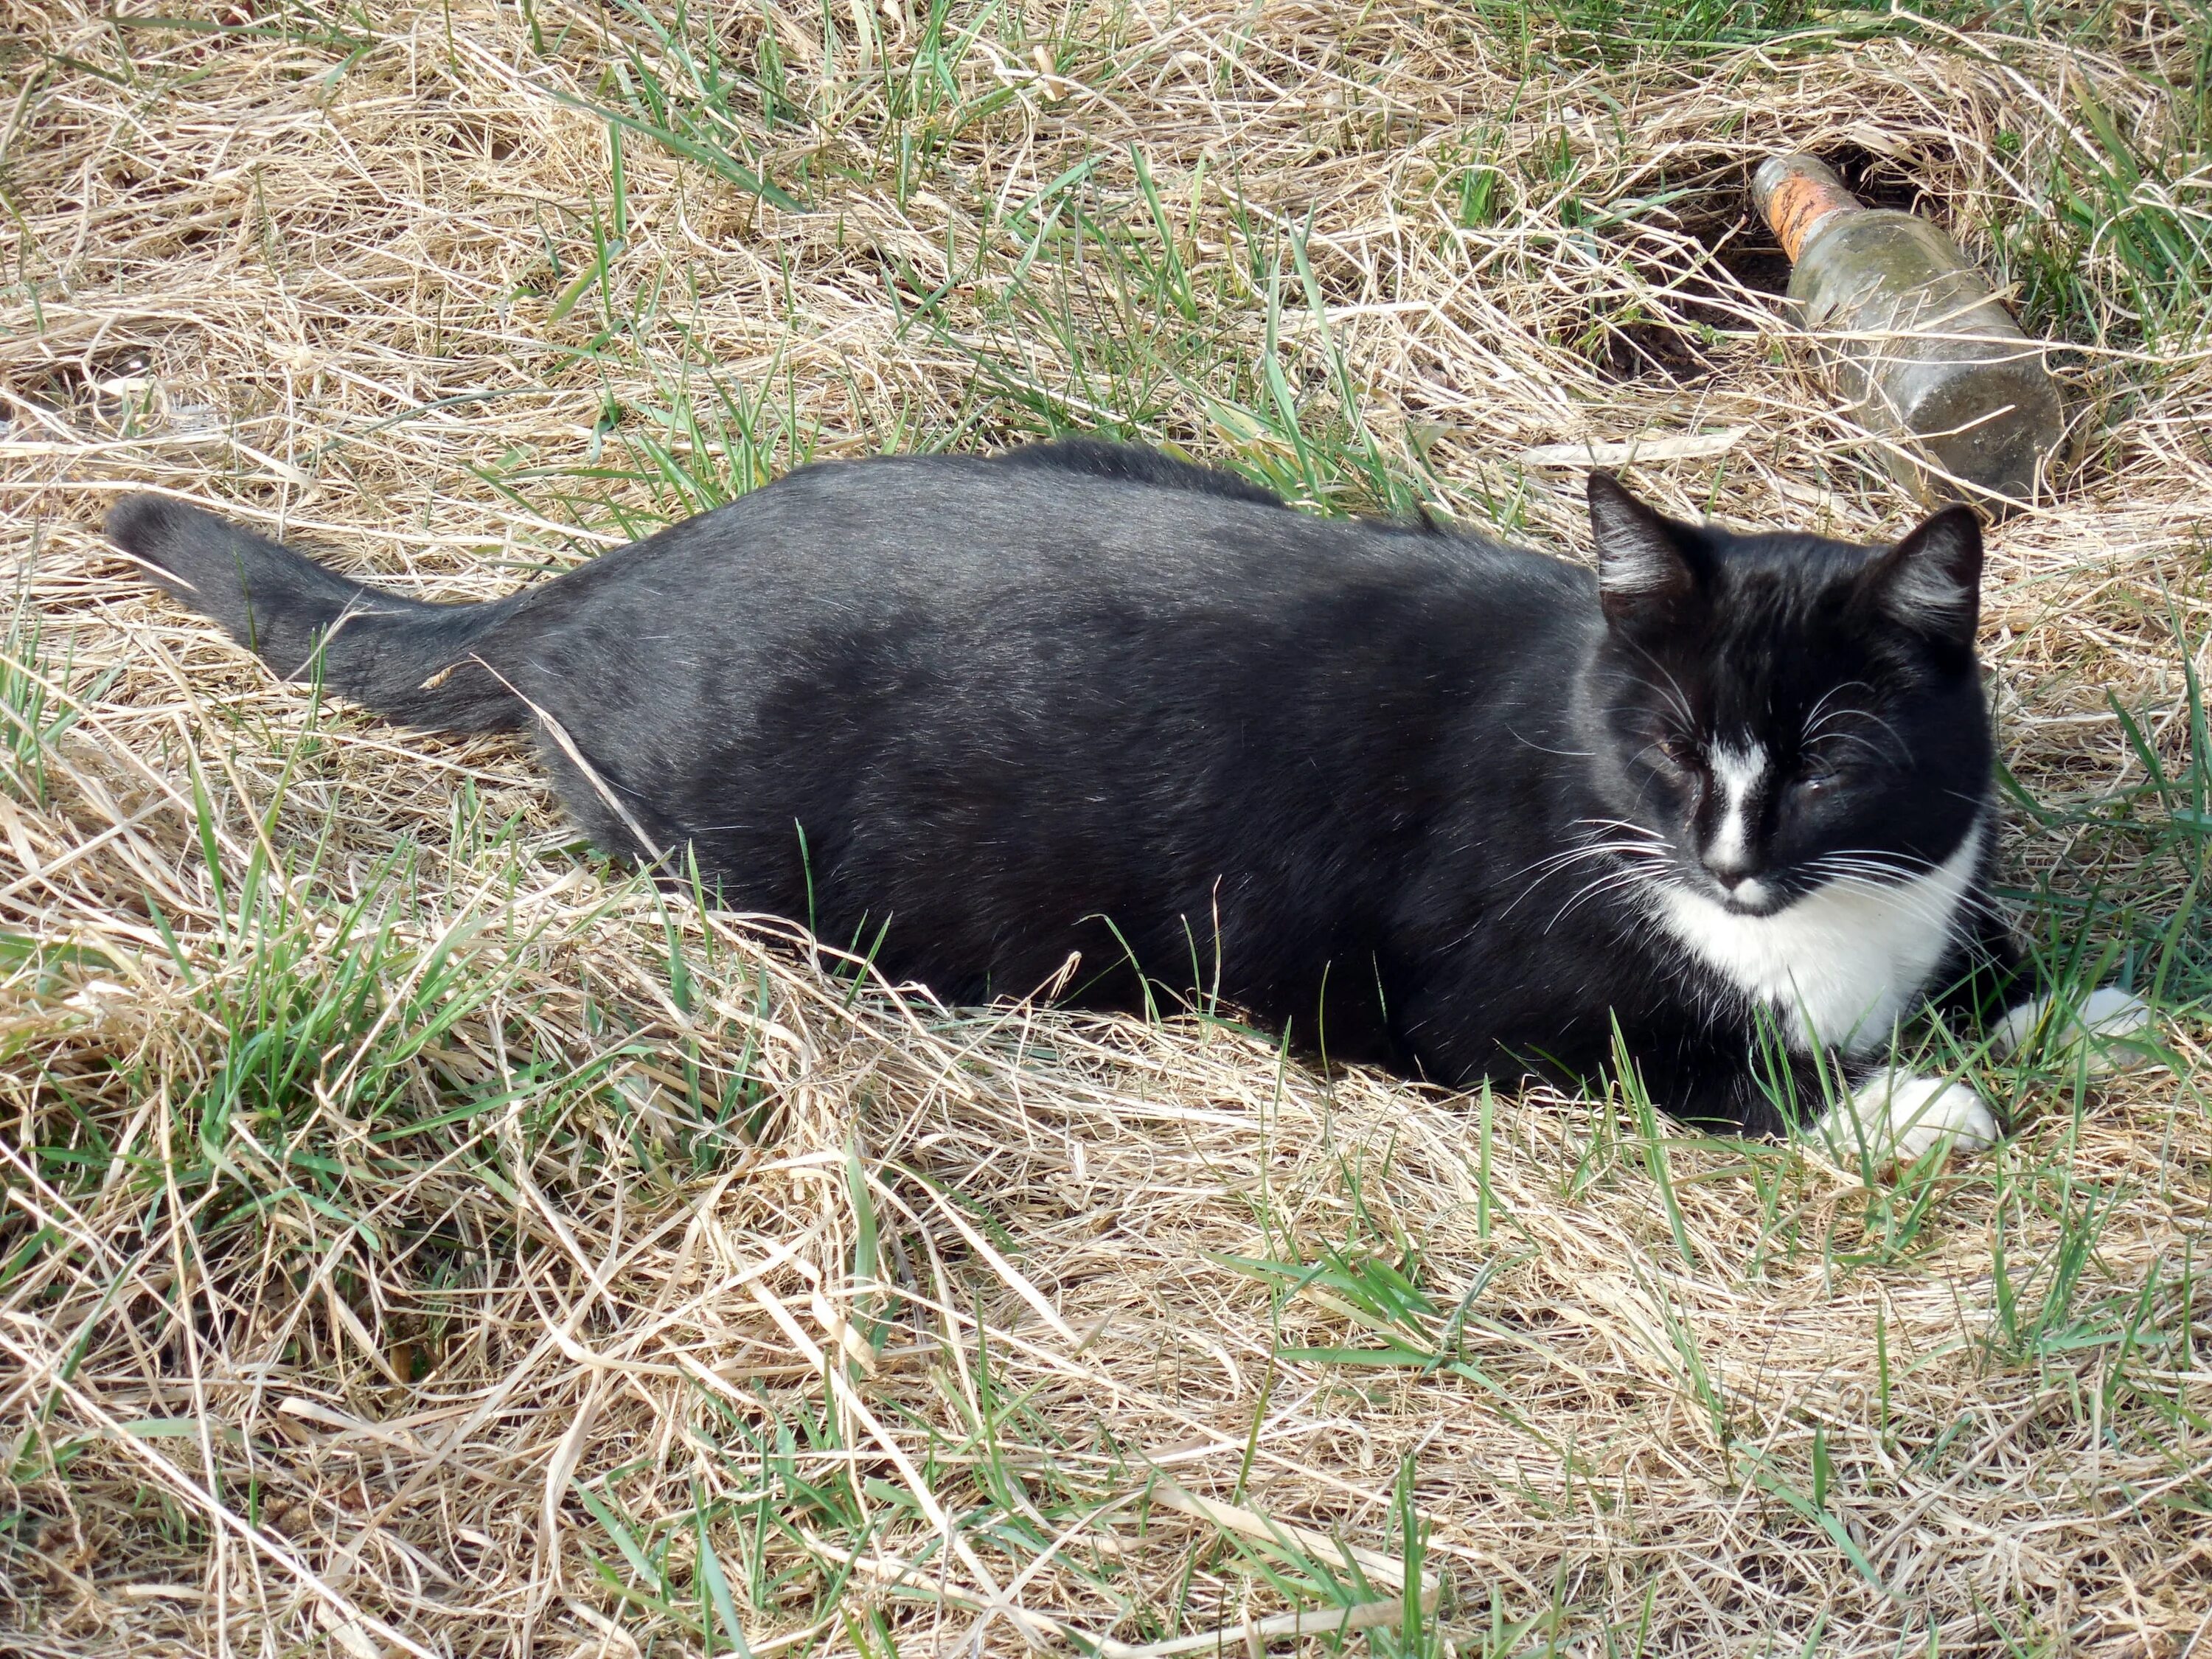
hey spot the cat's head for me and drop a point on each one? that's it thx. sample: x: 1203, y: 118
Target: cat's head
x: 1777, y: 713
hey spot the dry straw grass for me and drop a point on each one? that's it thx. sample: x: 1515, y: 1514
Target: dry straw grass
x: 419, y: 1238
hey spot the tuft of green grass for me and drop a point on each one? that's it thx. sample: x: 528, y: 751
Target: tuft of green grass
x: 2125, y: 199
x: 40, y: 699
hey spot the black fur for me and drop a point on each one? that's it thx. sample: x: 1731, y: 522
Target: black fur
x: 1082, y: 700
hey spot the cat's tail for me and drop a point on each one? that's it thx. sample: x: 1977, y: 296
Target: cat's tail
x: 413, y: 662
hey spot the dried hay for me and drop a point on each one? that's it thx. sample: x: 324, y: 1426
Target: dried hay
x: 439, y: 1281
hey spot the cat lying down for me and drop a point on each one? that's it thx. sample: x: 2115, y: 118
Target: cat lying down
x: 1409, y: 795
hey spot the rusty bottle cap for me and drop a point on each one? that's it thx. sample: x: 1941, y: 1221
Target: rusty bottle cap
x: 1799, y: 196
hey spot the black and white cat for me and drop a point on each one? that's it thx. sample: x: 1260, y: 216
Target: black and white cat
x: 1414, y: 796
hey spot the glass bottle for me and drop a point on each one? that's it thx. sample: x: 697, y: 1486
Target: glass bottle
x: 1921, y: 346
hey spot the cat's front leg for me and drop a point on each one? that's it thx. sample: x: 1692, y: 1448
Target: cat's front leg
x: 1992, y: 988
x: 1878, y: 1115
x: 1892, y: 1108
x: 2064, y: 1027
x: 1894, y: 1113
x: 1894, y: 1116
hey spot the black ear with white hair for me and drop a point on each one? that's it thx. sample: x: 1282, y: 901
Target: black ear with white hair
x: 1647, y: 563
x: 1931, y: 581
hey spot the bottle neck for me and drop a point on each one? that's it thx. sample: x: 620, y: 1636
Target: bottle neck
x: 1800, y: 197
x: 1802, y: 208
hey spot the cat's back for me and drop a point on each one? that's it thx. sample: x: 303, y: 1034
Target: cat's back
x: 947, y: 538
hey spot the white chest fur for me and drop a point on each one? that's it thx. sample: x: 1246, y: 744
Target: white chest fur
x: 1840, y: 965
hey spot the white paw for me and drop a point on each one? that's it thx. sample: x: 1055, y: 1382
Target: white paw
x: 1896, y: 1116
x: 2104, y: 1015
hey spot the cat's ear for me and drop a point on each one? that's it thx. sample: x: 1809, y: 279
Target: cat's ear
x: 1931, y: 581
x: 1647, y: 563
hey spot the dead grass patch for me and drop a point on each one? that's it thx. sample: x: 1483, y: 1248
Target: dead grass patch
x: 418, y: 1239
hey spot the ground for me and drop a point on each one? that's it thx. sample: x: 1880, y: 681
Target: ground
x: 417, y: 1237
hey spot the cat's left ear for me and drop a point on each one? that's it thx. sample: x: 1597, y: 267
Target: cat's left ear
x: 1931, y: 581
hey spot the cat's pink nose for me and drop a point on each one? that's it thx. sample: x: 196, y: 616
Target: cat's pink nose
x: 1730, y: 872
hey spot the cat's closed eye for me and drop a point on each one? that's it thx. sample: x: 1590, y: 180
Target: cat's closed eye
x: 1817, y: 778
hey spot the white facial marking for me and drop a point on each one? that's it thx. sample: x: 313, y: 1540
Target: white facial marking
x: 1895, y: 1117
x: 1738, y: 772
x: 1841, y: 963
